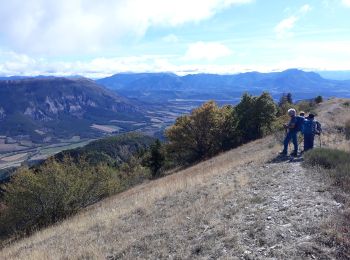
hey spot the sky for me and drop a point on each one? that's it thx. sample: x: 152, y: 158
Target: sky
x: 98, y: 38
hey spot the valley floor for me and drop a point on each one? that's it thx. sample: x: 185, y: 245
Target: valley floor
x: 243, y: 204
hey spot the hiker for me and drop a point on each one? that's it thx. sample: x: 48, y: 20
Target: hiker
x: 301, y: 136
x: 310, y: 129
x: 292, y: 128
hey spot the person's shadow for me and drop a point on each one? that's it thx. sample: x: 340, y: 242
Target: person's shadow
x: 286, y: 158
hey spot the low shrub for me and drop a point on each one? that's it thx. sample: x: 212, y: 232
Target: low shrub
x: 306, y: 106
x: 38, y: 197
x: 335, y: 161
x: 326, y: 158
x: 155, y: 159
x: 318, y: 99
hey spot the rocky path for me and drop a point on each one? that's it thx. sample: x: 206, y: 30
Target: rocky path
x: 266, y: 211
x: 290, y: 207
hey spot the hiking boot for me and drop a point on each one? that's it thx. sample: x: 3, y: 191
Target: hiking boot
x: 283, y: 153
x: 294, y: 154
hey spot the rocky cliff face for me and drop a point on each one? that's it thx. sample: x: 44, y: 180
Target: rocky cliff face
x: 56, y: 103
x: 53, y: 107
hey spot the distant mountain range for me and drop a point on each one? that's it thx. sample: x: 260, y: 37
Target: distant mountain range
x: 337, y: 75
x: 48, y: 107
x: 45, y: 108
x: 153, y: 87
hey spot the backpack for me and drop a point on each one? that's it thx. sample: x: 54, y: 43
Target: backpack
x: 309, y: 127
x: 318, y: 128
x: 299, y: 123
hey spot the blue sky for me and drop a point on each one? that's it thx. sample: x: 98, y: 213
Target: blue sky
x: 100, y: 38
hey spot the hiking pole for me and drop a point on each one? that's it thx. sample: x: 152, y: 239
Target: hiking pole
x: 319, y: 137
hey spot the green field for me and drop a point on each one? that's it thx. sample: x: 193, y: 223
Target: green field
x: 15, y: 159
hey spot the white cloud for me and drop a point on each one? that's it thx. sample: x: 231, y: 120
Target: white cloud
x: 171, y: 38
x: 68, y: 26
x: 20, y: 64
x: 346, y: 3
x: 103, y: 67
x: 305, y: 8
x: 283, y: 28
x: 277, y: 55
x: 206, y: 51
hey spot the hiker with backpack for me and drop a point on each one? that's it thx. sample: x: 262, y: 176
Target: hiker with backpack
x: 310, y: 128
x: 294, y: 126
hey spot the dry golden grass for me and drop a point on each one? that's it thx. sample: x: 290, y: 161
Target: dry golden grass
x: 186, y: 201
x: 333, y: 115
x: 72, y: 238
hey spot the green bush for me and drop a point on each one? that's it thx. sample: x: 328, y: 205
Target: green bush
x: 38, y: 197
x: 132, y: 172
x: 306, y: 106
x: 71, y: 180
x: 335, y: 161
x: 318, y: 99
x: 155, y: 159
x: 326, y: 158
x: 201, y: 134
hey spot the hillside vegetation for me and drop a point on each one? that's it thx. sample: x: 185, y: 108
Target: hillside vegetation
x: 244, y: 203
x: 114, y: 164
x: 64, y: 184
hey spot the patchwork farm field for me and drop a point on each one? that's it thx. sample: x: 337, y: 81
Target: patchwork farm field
x: 33, y: 154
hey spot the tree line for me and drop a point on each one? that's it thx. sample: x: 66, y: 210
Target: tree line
x: 210, y: 129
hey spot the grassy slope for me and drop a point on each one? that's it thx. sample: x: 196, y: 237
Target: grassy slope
x: 234, y: 205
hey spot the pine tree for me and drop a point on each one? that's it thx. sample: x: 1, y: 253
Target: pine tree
x: 156, y: 159
x: 256, y: 115
x: 318, y: 99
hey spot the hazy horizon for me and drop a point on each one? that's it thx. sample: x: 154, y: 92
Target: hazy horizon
x: 327, y: 74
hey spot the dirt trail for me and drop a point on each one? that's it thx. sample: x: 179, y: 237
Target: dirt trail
x: 266, y: 211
